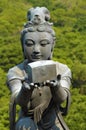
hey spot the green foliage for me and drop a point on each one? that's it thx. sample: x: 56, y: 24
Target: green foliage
x: 69, y: 18
x: 4, y: 99
x: 11, y: 53
x: 76, y: 117
x: 79, y: 74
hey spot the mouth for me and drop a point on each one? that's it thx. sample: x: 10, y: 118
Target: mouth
x: 36, y: 56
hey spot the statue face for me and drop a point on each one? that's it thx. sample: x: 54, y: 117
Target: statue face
x: 37, y: 46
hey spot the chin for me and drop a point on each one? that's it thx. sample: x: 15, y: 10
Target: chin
x: 33, y: 60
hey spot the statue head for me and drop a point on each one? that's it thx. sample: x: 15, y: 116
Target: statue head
x: 37, y: 38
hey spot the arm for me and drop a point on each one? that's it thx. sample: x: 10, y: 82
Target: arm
x: 59, y: 92
x: 21, y: 94
x: 60, y: 87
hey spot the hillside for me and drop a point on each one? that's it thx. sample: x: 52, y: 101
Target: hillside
x: 69, y: 18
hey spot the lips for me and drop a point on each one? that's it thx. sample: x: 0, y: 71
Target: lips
x: 36, y: 56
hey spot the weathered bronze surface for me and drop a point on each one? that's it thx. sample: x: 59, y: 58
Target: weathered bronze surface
x: 39, y: 85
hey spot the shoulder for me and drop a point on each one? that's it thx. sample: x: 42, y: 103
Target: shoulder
x: 16, y: 72
x: 63, y: 69
x: 61, y: 65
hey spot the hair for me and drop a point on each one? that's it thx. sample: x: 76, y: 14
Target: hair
x: 45, y: 27
x: 43, y: 9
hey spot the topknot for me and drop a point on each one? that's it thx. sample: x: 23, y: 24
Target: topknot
x: 38, y: 15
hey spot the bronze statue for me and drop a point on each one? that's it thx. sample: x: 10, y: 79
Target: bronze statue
x: 39, y: 85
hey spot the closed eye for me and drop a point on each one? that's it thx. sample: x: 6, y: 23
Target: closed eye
x: 44, y: 42
x: 29, y: 43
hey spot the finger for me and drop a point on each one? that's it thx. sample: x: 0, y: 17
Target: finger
x: 48, y: 82
x: 26, y: 85
x: 36, y: 85
x: 53, y: 83
x: 32, y: 85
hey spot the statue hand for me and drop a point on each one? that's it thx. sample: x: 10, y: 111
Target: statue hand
x: 28, y: 86
x: 53, y: 83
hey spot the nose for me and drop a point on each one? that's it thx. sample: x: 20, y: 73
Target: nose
x: 36, y: 49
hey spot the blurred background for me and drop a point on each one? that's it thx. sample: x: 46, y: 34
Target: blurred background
x: 69, y: 19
